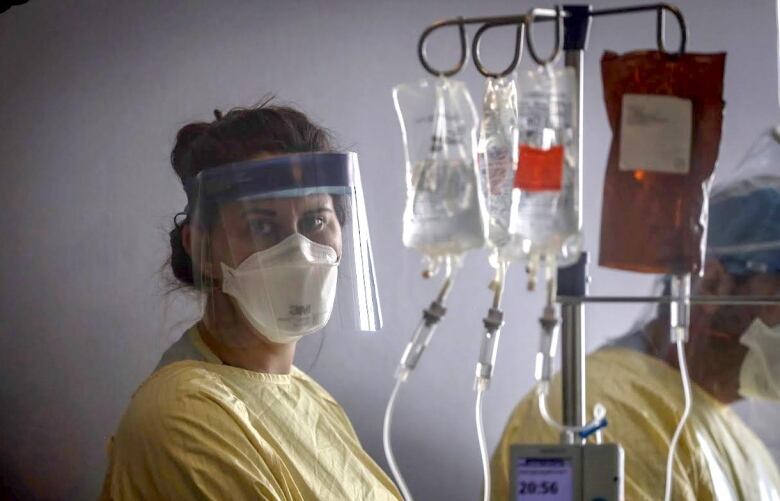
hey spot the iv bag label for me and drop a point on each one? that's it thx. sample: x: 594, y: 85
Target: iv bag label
x: 655, y: 134
x: 538, y: 169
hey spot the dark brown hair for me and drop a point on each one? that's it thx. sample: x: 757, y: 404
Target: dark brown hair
x: 238, y: 135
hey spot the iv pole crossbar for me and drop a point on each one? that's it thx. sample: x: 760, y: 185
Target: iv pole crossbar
x: 524, y: 23
x: 715, y: 300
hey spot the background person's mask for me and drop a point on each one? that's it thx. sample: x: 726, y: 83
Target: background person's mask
x: 760, y: 373
x: 286, y: 291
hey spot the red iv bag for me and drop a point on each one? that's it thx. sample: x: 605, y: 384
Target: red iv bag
x: 665, y: 112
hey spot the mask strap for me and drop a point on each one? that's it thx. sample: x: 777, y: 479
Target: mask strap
x: 184, y: 218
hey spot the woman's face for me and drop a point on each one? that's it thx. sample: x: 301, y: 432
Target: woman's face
x: 245, y: 227
x: 733, y: 320
x: 714, y: 351
x: 729, y: 321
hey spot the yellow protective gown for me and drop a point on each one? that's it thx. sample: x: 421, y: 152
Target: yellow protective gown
x: 200, y: 429
x: 717, y: 457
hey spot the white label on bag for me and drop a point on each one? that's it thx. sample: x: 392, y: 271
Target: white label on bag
x: 655, y: 134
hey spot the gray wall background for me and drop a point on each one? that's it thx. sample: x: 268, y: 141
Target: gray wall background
x: 92, y: 95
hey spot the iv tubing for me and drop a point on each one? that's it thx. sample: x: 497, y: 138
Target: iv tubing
x: 499, y: 285
x: 486, y: 485
x: 680, y: 322
x: 544, y: 364
x: 485, y: 368
x: 493, y: 322
x: 599, y: 415
x: 415, y: 347
x: 686, y: 382
x: 399, y: 479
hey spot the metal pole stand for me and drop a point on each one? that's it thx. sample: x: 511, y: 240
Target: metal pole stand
x: 572, y: 280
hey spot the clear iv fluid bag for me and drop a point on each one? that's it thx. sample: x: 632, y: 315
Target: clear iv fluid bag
x: 546, y: 220
x: 497, y: 155
x: 445, y: 211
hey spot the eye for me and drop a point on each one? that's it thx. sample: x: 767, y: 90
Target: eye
x: 313, y: 223
x: 260, y: 227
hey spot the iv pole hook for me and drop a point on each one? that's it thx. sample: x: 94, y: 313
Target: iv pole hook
x: 660, y: 28
x: 530, y: 19
x: 515, y: 60
x: 464, y: 54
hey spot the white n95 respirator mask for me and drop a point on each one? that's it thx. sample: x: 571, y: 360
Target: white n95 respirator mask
x: 286, y: 291
x: 759, y: 376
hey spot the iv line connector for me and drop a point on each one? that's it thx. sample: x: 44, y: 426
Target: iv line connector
x: 434, y: 313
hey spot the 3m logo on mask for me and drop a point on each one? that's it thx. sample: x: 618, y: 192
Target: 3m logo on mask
x: 299, y: 310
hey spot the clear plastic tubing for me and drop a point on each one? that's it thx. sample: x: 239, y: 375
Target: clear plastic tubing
x: 409, y: 360
x: 484, y: 372
x: 679, y: 325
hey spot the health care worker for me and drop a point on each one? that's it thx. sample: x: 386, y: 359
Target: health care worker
x: 733, y: 353
x: 274, y: 238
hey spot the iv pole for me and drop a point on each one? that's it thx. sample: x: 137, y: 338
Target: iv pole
x: 572, y: 281
x: 574, y: 22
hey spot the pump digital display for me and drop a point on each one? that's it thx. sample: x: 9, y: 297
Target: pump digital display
x: 544, y: 479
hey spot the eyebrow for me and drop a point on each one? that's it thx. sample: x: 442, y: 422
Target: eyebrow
x: 318, y: 210
x: 260, y: 212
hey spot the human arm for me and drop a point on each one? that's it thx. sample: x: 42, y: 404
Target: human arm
x: 185, y: 438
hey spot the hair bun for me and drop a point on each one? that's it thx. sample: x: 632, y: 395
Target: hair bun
x: 218, y: 114
x: 185, y: 139
x: 190, y: 133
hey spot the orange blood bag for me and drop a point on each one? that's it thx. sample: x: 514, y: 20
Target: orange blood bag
x: 665, y: 112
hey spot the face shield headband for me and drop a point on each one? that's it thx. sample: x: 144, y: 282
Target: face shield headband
x: 283, y: 176
x: 744, y: 228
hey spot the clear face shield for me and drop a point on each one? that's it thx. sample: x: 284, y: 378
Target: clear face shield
x: 733, y: 352
x: 742, y: 275
x: 739, y: 344
x: 744, y: 237
x: 281, y: 248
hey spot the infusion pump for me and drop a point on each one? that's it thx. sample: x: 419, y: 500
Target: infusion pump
x: 590, y: 472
